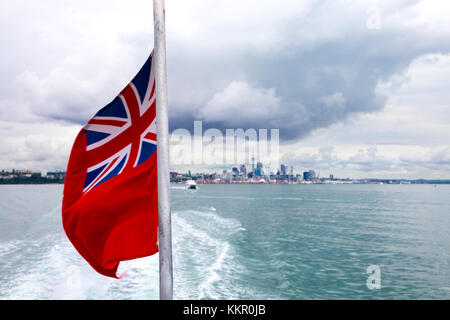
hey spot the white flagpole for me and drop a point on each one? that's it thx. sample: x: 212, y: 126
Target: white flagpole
x: 162, y: 123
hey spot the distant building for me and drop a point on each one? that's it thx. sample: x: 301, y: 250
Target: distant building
x: 253, y: 163
x: 283, y: 170
x: 243, y: 170
x: 309, y: 175
x: 259, y: 169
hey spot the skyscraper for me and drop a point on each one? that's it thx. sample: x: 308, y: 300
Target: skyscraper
x: 283, y: 170
x: 253, y: 163
x: 309, y: 175
x: 243, y: 170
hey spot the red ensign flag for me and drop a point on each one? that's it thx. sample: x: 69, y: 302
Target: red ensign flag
x: 110, y: 203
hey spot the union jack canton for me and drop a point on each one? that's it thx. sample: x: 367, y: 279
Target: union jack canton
x: 122, y: 135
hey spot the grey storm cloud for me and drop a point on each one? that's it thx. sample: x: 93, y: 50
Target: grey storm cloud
x: 298, y: 66
x: 326, y: 68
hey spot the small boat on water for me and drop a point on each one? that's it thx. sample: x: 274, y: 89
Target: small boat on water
x: 191, y: 185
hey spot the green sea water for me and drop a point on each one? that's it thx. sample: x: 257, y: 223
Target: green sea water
x: 247, y: 242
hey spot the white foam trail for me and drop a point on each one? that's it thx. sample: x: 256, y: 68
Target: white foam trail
x: 203, y: 244
x: 185, y: 227
x: 7, y: 246
x: 177, y: 188
x: 44, y: 265
x: 226, y: 197
x: 213, y: 276
x: 60, y: 273
x: 217, y: 225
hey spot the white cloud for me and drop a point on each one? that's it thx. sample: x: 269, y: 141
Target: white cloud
x: 241, y: 103
x: 35, y: 145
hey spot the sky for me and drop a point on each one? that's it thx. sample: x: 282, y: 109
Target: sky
x: 356, y: 88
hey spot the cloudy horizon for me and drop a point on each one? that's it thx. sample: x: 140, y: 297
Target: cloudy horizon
x: 356, y: 89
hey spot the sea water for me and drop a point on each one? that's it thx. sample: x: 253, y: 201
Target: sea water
x: 246, y: 242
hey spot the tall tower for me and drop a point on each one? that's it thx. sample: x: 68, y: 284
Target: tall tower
x: 253, y: 163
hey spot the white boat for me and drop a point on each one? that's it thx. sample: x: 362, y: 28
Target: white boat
x: 190, y: 184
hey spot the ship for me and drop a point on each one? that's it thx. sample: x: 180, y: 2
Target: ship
x: 191, y: 185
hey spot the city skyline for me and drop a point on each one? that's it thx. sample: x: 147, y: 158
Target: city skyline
x: 237, y: 174
x: 240, y: 174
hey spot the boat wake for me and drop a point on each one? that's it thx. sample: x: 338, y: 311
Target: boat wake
x: 203, y: 254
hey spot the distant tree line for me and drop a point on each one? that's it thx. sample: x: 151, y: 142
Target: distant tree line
x: 33, y: 178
